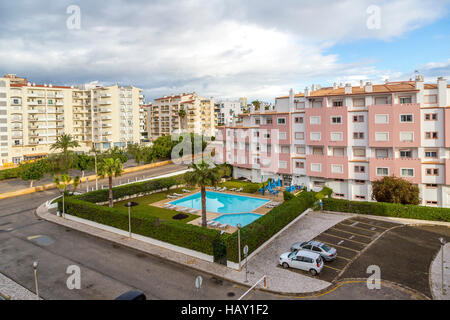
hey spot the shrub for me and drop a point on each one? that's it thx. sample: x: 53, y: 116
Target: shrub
x: 395, y: 190
x: 262, y: 229
x: 287, y: 196
x: 387, y: 209
x: 180, y: 234
x: 10, y: 173
x: 248, y: 187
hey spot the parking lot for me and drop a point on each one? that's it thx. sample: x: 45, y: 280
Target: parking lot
x: 349, y: 237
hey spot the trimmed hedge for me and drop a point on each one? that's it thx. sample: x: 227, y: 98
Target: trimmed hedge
x: 180, y: 234
x: 249, y: 187
x: 10, y: 173
x: 287, y: 196
x: 262, y: 229
x: 132, y: 189
x: 387, y: 209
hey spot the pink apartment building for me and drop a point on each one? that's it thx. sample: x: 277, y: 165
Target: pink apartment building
x: 345, y: 137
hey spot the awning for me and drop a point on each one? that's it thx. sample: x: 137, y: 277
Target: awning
x: 35, y: 155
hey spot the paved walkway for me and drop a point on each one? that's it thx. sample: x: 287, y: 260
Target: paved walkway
x: 14, y: 291
x: 436, y: 275
x: 279, y: 280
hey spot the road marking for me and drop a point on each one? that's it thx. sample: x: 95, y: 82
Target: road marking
x: 373, y: 228
x: 347, y: 225
x: 356, y: 234
x: 342, y: 241
x: 332, y: 267
x: 370, y: 224
x: 33, y: 237
x: 335, y: 245
x: 354, y: 224
x: 322, y: 294
x: 351, y: 237
x: 337, y: 257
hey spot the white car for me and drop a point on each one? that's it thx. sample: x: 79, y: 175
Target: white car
x: 303, y: 260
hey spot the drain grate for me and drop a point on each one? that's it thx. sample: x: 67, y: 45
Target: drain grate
x: 231, y: 294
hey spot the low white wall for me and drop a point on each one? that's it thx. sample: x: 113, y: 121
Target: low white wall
x: 234, y: 265
x: 139, y: 237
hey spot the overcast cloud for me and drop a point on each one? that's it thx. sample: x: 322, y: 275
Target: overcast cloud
x: 224, y: 49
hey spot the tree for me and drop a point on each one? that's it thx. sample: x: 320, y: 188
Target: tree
x: 202, y: 175
x: 257, y: 104
x: 63, y: 182
x: 395, y: 190
x: 64, y: 143
x: 137, y: 152
x: 33, y: 171
x: 115, y: 153
x: 182, y: 114
x: 83, y: 163
x: 110, y: 167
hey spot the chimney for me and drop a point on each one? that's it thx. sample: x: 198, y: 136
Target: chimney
x: 335, y: 86
x: 348, y: 88
x: 368, y: 87
x: 341, y: 85
x: 419, y: 82
x: 313, y: 88
x: 361, y: 84
x: 291, y: 99
x: 442, y: 91
x: 306, y: 91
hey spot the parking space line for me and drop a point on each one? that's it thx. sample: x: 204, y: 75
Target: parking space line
x: 332, y: 267
x: 372, y: 225
x: 347, y: 225
x: 343, y: 258
x: 356, y: 234
x: 325, y: 233
x: 335, y: 245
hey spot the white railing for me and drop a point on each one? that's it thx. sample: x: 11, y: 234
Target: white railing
x: 264, y: 278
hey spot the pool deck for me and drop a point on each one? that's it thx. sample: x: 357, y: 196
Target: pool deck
x: 212, y: 215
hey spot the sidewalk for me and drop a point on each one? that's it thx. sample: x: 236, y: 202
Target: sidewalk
x: 14, y: 291
x: 436, y: 275
x: 277, y: 280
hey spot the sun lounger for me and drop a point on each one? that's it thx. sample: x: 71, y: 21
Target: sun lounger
x: 171, y: 197
x: 240, y: 189
x: 223, y: 226
x: 192, y: 211
x: 186, y: 191
x: 214, y: 224
x: 177, y: 195
x: 168, y: 205
x: 208, y: 223
x: 224, y: 189
x: 232, y: 189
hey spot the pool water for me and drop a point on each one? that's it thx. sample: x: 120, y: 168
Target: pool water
x: 221, y: 202
x: 242, y: 218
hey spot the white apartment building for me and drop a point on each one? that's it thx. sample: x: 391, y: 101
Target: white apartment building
x: 165, y: 115
x: 225, y: 111
x: 33, y: 116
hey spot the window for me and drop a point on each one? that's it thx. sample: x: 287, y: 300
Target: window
x: 431, y: 154
x: 407, y: 172
x: 256, y: 133
x: 431, y: 116
x: 315, y: 136
x: 358, y: 135
x: 381, y: 136
x: 317, y: 104
x: 316, y: 167
x: 360, y: 169
x: 406, y: 118
x: 359, y: 118
x: 431, y: 135
x: 300, y: 150
x: 269, y: 120
x: 339, y: 195
x: 381, y: 153
x: 430, y: 99
x: 381, y: 118
x: 407, y: 136
x: 381, y: 100
x: 337, y: 168
x: 432, y: 172
x: 299, y: 105
x: 339, y: 152
x: 300, y: 135
x: 282, y: 164
x: 317, y: 151
x: 285, y: 149
x: 257, y: 121
x: 360, y: 197
x: 359, y: 102
x: 431, y: 185
x: 338, y: 103
x: 298, y: 119
x: 336, y: 120
x: 281, y: 120
x: 405, y: 154
x: 266, y: 135
x: 282, y: 135
x: 336, y: 136
x: 405, y: 100
x: 360, y: 181
x: 50, y: 101
x: 359, y: 152
x: 431, y: 202
x: 314, y: 120
x: 299, y: 164
x: 382, y: 171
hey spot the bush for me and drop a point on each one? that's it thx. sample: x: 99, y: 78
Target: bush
x: 387, y: 209
x: 132, y: 189
x: 248, y: 187
x: 9, y: 173
x: 176, y: 233
x: 395, y: 190
x: 262, y: 229
x: 287, y: 196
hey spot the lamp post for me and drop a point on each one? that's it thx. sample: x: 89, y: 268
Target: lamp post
x: 239, y: 243
x: 95, y: 163
x: 35, y: 265
x: 129, y: 205
x: 443, y: 242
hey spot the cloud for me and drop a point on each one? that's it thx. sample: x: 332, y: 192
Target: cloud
x: 257, y: 49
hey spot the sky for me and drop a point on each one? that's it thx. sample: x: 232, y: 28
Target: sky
x: 224, y: 49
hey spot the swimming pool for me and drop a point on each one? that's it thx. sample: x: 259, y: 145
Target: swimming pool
x: 221, y: 202
x: 242, y: 218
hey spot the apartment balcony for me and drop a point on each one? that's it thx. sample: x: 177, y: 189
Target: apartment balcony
x: 36, y: 119
x: 394, y: 167
x: 106, y: 125
x: 15, y: 127
x: 59, y: 103
x: 16, y: 110
x: 105, y: 110
x: 32, y: 103
x: 105, y: 95
x: 102, y: 102
x: 106, y: 118
x: 331, y: 167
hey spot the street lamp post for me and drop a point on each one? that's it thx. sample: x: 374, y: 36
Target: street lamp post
x: 35, y: 265
x: 239, y: 243
x: 129, y: 205
x: 443, y: 242
x: 96, y: 178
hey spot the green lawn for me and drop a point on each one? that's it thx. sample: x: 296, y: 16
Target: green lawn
x: 162, y: 213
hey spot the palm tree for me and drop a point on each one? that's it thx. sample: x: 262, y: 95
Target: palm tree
x: 110, y: 167
x: 63, y: 182
x: 64, y: 143
x: 182, y: 115
x: 202, y: 175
